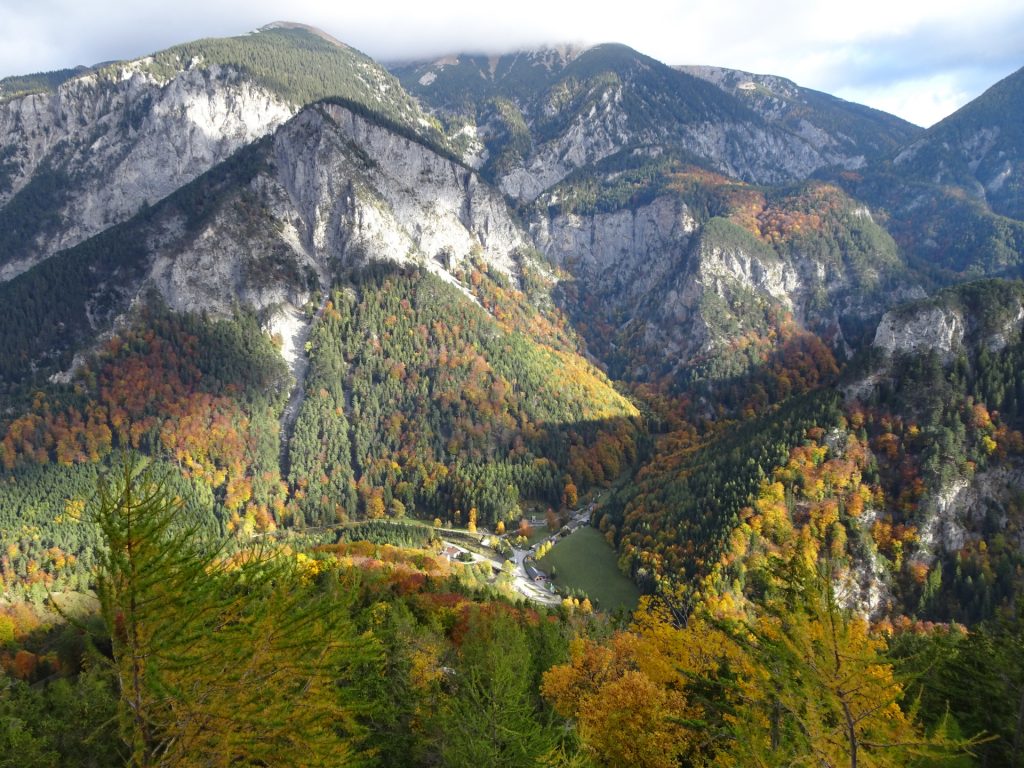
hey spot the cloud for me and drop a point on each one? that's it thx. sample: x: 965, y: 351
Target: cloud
x: 928, y: 99
x: 887, y: 53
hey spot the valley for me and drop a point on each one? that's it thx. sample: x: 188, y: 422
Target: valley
x: 308, y: 352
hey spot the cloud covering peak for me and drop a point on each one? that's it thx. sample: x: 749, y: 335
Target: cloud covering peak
x: 917, y: 60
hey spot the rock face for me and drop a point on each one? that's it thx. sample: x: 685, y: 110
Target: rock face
x: 929, y: 329
x: 336, y: 190
x: 591, y: 137
x: 956, y: 515
x: 766, y: 157
x: 864, y: 587
x: 102, y: 145
x: 949, y: 321
x: 671, y: 290
x: 628, y: 252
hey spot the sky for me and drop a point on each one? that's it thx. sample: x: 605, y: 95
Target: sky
x: 919, y: 60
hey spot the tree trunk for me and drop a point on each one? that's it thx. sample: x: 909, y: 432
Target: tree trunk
x: 1020, y: 731
x: 851, y: 731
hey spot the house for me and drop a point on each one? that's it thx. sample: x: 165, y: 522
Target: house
x: 533, y: 572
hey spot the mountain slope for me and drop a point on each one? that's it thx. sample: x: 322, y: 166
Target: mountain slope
x: 852, y: 133
x: 542, y: 115
x: 951, y: 197
x: 719, y: 249
x: 88, y: 152
x: 433, y: 382
x: 331, y: 189
x: 979, y: 147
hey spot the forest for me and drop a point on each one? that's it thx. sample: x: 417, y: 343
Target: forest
x: 753, y: 528
x: 418, y: 404
x: 443, y: 410
x: 745, y: 536
x: 748, y: 530
x: 371, y: 654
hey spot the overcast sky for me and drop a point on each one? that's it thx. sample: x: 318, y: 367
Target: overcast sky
x: 919, y: 60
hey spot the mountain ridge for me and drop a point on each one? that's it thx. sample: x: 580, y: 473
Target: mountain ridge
x: 107, y: 141
x: 542, y: 119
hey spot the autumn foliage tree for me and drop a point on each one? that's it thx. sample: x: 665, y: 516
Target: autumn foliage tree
x: 801, y: 682
x: 826, y: 691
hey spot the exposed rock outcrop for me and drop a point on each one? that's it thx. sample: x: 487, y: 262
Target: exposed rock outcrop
x: 936, y: 329
x: 102, y: 146
x: 336, y: 190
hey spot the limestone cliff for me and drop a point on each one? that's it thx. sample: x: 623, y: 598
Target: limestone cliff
x: 336, y: 190
x: 117, y: 142
x: 100, y: 146
x: 670, y: 289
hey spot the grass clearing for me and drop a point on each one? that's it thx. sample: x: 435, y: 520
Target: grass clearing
x: 586, y: 561
x: 540, y: 533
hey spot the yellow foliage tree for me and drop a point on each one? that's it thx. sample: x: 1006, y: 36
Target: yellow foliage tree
x: 828, y: 694
x: 799, y: 683
x: 629, y: 697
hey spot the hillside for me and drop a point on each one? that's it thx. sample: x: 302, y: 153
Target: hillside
x: 89, y: 151
x: 541, y: 115
x: 951, y: 195
x: 333, y: 188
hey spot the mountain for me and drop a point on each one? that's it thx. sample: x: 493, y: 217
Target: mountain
x: 672, y: 265
x: 429, y: 369
x: 629, y: 175
x: 86, y: 151
x: 907, y: 473
x: 541, y: 115
x: 331, y: 190
x: 319, y: 302
x: 299, y: 340
x: 978, y: 148
x: 948, y: 367
x: 951, y: 196
x: 853, y: 133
